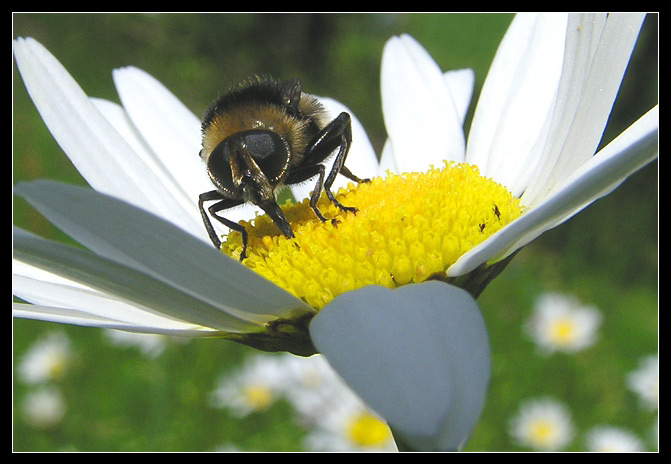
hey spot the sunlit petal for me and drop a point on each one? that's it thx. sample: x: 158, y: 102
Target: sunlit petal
x: 517, y: 99
x: 421, y: 118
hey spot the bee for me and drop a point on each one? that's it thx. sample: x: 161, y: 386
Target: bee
x: 264, y: 135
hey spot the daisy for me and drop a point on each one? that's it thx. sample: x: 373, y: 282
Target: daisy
x: 254, y: 387
x: 612, y: 440
x: 560, y: 323
x: 44, y: 407
x: 349, y: 425
x: 47, y: 359
x: 644, y: 381
x: 207, y: 295
x: 542, y: 425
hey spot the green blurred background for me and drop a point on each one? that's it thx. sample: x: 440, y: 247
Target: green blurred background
x: 607, y: 255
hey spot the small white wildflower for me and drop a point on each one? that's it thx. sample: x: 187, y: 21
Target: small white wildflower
x: 47, y: 359
x: 644, y: 381
x: 561, y: 323
x: 348, y: 425
x: 542, y: 424
x: 44, y: 407
x: 254, y: 387
x: 612, y: 440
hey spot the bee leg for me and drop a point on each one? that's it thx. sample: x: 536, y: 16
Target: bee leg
x: 337, y: 134
x: 223, y: 203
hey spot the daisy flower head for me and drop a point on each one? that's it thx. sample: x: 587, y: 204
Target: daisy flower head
x: 349, y: 425
x: 543, y: 425
x: 561, y: 323
x: 47, y: 359
x: 607, y: 439
x: 458, y: 221
x: 644, y: 381
x: 254, y: 387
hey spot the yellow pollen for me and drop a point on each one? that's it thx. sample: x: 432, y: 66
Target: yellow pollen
x: 407, y: 228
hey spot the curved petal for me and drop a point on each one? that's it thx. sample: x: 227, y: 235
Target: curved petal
x: 147, y: 243
x: 421, y: 119
x: 597, y: 54
x: 57, y: 275
x: 517, y: 98
x: 417, y: 355
x: 630, y: 151
x: 361, y: 159
x: 187, y: 216
x: 74, y: 317
x: 169, y: 128
x: 98, y: 152
x: 460, y: 83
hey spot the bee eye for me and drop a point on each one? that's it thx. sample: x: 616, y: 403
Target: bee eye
x: 260, y: 144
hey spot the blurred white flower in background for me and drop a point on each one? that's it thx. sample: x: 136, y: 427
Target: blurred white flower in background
x: 43, y: 407
x: 150, y: 345
x: 644, y: 381
x: 542, y: 425
x: 561, y: 323
x: 47, y: 359
x: 254, y: 387
x: 612, y: 440
x: 347, y: 424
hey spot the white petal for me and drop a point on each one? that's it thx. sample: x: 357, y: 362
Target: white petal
x: 74, y: 317
x: 361, y: 159
x: 517, y: 98
x: 460, y: 83
x: 155, y: 247
x: 387, y: 161
x: 98, y: 152
x: 168, y: 127
x: 597, y: 54
x: 630, y: 151
x: 67, y: 272
x: 187, y: 216
x: 418, y: 355
x: 421, y: 119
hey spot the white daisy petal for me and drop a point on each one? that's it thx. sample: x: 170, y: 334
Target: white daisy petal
x: 517, y: 98
x: 82, y: 131
x: 168, y: 127
x: 187, y: 216
x: 460, y: 83
x: 86, y: 319
x: 149, y: 244
x: 361, y: 159
x: 597, y: 55
x: 143, y: 297
x: 420, y: 115
x: 633, y: 149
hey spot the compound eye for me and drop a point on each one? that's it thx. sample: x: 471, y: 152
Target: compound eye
x: 269, y: 151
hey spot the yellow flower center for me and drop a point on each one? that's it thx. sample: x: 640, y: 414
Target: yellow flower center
x: 563, y: 331
x: 408, y: 227
x: 367, y: 431
x: 258, y: 397
x: 543, y: 433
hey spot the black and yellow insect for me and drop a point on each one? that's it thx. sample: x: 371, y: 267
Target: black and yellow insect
x: 263, y: 135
